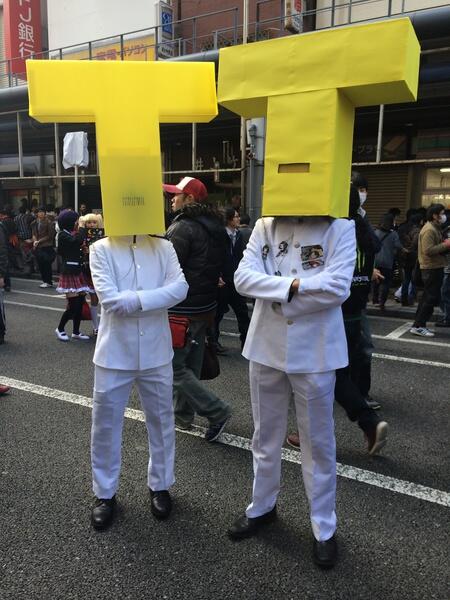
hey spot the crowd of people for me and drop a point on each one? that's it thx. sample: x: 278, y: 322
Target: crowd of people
x: 163, y: 300
x: 418, y: 249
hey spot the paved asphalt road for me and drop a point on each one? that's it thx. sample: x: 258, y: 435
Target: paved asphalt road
x: 393, y: 509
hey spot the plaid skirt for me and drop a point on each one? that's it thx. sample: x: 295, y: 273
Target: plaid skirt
x: 73, y: 284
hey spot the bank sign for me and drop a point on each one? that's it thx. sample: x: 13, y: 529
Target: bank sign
x: 165, y: 30
x: 22, y: 27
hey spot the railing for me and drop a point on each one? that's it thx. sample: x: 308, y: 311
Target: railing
x: 147, y: 44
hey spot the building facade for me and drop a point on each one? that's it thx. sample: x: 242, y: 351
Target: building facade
x: 404, y: 151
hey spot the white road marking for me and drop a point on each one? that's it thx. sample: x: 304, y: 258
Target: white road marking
x: 399, y: 486
x: 33, y: 305
x: 415, y: 341
x: 415, y: 361
x: 55, y: 295
x: 397, y: 333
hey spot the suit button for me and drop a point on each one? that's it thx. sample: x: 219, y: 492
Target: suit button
x: 294, y: 271
x: 134, y: 247
x: 138, y: 266
x: 296, y: 245
x: 142, y: 333
x: 290, y: 322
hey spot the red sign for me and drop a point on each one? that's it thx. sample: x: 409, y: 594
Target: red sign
x: 22, y: 20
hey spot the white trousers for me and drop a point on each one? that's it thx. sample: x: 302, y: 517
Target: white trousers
x: 111, y: 393
x: 314, y: 396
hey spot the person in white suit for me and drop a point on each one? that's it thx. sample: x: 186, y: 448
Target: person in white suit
x: 300, y: 271
x: 137, y: 278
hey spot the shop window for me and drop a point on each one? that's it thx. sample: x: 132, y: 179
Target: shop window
x: 437, y: 186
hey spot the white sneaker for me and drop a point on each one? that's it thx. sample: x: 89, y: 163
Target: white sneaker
x: 62, y: 335
x: 421, y: 331
x: 46, y: 285
x: 80, y: 336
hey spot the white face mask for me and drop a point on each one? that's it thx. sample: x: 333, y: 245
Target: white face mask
x: 362, y: 197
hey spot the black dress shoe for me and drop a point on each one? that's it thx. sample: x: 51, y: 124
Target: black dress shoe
x: 161, y: 503
x: 325, y: 553
x: 245, y: 526
x: 103, y: 513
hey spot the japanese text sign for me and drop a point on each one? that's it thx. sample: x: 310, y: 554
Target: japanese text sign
x: 307, y: 87
x: 127, y: 101
x: 22, y: 22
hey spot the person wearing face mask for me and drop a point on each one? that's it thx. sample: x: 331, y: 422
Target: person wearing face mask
x: 360, y: 183
x: 367, y: 346
x: 432, y: 260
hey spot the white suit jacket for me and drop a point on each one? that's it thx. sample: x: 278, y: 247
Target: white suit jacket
x: 150, y: 267
x: 305, y: 335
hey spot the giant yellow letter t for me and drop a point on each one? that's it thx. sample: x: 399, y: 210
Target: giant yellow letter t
x: 308, y: 87
x: 127, y: 101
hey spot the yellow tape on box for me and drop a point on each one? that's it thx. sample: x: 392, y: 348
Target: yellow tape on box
x: 127, y: 101
x: 308, y: 87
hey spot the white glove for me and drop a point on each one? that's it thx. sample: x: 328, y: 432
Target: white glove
x: 125, y: 303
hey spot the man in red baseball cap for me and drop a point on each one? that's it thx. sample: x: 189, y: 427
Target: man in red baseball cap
x: 198, y: 235
x: 188, y: 186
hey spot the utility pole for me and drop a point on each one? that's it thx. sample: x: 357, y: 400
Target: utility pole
x: 243, y: 124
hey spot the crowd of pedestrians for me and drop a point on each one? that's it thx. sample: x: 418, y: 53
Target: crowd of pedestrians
x: 419, y: 248
x: 162, y: 306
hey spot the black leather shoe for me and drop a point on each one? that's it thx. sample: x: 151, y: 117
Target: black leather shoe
x: 161, y: 503
x: 103, y: 513
x: 245, y: 526
x: 325, y: 553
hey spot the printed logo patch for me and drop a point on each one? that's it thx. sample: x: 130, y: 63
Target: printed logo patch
x: 312, y: 257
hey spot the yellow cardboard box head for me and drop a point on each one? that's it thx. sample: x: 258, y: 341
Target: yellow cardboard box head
x: 127, y: 101
x: 308, y: 87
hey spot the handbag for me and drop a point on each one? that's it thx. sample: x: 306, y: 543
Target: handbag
x: 211, y: 365
x: 86, y: 312
x: 179, y: 327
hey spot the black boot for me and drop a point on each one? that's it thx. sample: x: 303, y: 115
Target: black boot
x: 103, y: 513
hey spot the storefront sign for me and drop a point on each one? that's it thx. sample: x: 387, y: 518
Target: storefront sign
x: 142, y: 48
x: 293, y: 11
x: 22, y: 23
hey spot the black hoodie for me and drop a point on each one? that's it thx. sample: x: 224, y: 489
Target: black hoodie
x: 200, y: 241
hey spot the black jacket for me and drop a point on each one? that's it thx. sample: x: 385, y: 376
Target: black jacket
x: 367, y: 245
x: 69, y: 247
x: 200, y: 240
x: 233, y: 257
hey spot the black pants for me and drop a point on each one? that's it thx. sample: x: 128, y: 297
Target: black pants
x: 73, y: 312
x: 346, y: 392
x: 228, y: 296
x: 432, y: 283
x: 45, y: 257
x: 380, y: 291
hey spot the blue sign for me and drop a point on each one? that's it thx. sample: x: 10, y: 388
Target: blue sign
x: 166, y: 21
